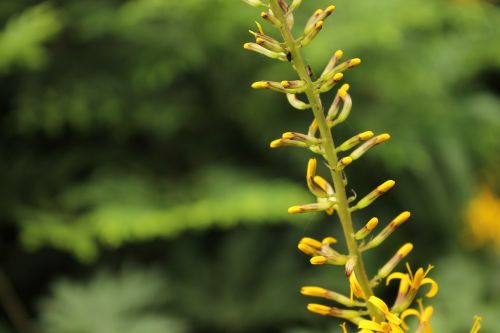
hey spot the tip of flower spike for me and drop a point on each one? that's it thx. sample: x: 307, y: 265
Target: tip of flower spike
x: 318, y: 260
x: 275, y: 143
x: 319, y: 309
x: 386, y: 186
x: 405, y: 250
x: 294, y: 210
x: 401, y: 218
x: 260, y: 85
x: 313, y: 291
x: 338, y: 76
x: 330, y: 9
x: 319, y: 25
x: 354, y: 62
x: 339, y: 54
x: 370, y: 225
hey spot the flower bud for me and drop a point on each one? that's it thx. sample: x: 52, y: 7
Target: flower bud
x: 373, y: 195
x: 297, y: 103
x: 262, y: 50
x: 354, y: 141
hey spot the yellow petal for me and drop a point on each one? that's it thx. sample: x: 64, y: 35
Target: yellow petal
x: 434, y: 287
x: 406, y: 313
x: 397, y: 276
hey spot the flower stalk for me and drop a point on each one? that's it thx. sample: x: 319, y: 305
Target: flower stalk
x: 330, y: 153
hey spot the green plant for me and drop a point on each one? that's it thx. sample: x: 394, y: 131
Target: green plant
x: 369, y: 312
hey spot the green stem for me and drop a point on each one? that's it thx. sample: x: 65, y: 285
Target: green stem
x: 330, y: 155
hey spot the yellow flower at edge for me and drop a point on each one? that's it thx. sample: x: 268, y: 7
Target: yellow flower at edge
x: 423, y: 315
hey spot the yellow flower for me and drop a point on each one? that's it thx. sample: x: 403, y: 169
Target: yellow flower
x: 368, y: 326
x: 423, y: 315
x: 410, y: 284
x: 483, y: 216
x: 477, y: 325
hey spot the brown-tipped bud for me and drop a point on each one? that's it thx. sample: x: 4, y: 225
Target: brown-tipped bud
x: 327, y: 85
x: 318, y: 260
x: 367, y: 229
x: 311, y: 34
x: 387, y: 231
x: 345, y: 161
x: 310, y: 140
x: 268, y: 42
x: 354, y: 141
x: 333, y: 61
x: 264, y: 51
x: 314, y: 207
x: 269, y: 16
x: 297, y: 103
x: 314, y: 291
x: 361, y: 150
x: 319, y: 15
x: 319, y: 309
x: 314, y: 186
x: 373, y: 195
x: 323, y: 184
x: 313, y: 128
x: 388, y: 267
x: 285, y: 142
x: 295, y: 84
x: 350, y: 265
x: 346, y: 110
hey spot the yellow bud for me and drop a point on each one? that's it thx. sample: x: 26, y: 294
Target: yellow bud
x: 318, y: 260
x: 338, y: 76
x: 370, y: 225
x: 346, y: 160
x: 330, y: 9
x: 319, y: 309
x: 285, y: 84
x: 365, y: 135
x: 313, y: 291
x: 288, y: 135
x: 319, y: 25
x: 354, y: 62
x: 401, y: 218
x: 383, y: 137
x: 386, y: 186
x: 343, y: 90
x: 329, y: 240
x: 405, y: 249
x: 247, y: 46
x: 311, y: 167
x: 306, y: 249
x: 260, y: 85
x: 339, y: 54
x: 311, y: 242
x: 294, y: 210
x: 260, y: 41
x: 275, y: 143
x: 318, y: 12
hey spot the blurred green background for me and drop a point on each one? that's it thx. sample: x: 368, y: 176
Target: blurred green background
x: 138, y: 193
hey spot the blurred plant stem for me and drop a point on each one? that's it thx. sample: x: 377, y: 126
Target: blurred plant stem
x: 330, y: 155
x: 13, y: 305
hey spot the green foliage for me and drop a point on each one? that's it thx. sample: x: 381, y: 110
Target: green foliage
x: 111, y: 210
x: 123, y: 303
x: 23, y: 38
